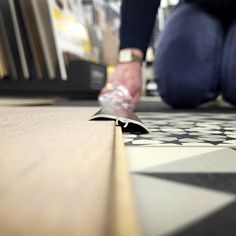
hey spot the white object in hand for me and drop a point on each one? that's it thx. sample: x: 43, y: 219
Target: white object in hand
x: 116, y: 97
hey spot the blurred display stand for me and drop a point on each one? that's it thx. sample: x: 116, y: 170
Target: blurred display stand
x: 106, y: 25
x: 55, y: 47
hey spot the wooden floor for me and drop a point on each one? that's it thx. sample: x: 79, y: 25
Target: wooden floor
x: 57, y: 173
x: 61, y: 174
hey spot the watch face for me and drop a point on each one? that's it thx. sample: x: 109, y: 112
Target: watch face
x: 128, y: 56
x: 125, y: 56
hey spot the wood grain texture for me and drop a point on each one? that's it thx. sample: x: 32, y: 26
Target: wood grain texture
x: 124, y: 220
x: 25, y: 101
x: 55, y: 170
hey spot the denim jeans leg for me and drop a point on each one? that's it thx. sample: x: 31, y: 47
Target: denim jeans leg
x: 188, y: 57
x: 228, y: 77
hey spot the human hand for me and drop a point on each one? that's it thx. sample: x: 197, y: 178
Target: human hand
x: 129, y: 75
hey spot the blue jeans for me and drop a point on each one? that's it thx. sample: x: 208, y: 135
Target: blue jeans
x: 196, y: 58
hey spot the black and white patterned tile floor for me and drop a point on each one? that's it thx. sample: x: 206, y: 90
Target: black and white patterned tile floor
x: 184, y: 190
x: 185, y: 129
x: 190, y: 155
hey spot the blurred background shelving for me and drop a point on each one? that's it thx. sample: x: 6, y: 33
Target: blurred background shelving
x: 65, y: 47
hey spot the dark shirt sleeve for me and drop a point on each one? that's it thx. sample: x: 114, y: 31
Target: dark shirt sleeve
x: 137, y: 22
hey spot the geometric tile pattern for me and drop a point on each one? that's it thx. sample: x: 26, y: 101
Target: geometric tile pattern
x: 221, y: 161
x: 145, y: 159
x: 194, y: 195
x: 185, y: 129
x: 222, y: 222
x: 221, y: 182
x: 167, y: 207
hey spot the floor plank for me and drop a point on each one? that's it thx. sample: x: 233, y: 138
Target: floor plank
x: 54, y: 177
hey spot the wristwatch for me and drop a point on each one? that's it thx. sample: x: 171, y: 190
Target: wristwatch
x: 127, y: 55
